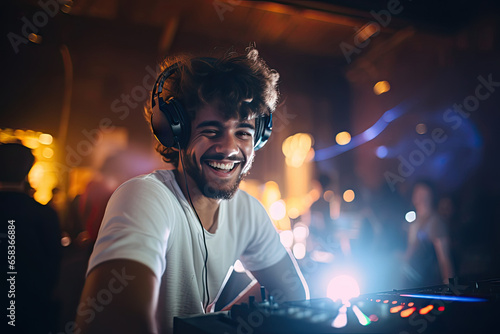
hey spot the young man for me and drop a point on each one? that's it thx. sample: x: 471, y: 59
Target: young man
x: 150, y: 260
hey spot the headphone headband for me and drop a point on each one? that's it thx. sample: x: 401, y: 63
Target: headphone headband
x: 171, y: 124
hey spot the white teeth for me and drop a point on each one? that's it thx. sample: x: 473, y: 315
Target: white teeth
x: 227, y: 166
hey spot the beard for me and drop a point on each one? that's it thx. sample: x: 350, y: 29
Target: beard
x: 211, y: 188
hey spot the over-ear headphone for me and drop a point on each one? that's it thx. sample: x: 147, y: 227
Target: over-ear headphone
x: 171, y: 124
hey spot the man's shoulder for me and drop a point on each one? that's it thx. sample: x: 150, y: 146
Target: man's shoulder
x: 243, y: 202
x: 159, y: 179
x: 243, y: 196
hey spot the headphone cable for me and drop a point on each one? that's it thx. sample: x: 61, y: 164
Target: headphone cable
x: 205, y: 270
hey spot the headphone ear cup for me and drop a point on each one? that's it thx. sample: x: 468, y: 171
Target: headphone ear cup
x: 263, y: 130
x: 168, y: 122
x: 181, y: 129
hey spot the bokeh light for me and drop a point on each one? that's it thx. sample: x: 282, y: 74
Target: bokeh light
x: 421, y: 128
x: 277, y: 210
x: 271, y: 193
x: 48, y: 152
x: 286, y: 238
x: 381, y: 152
x: 411, y: 216
x: 299, y: 250
x: 45, y: 139
x: 381, y: 87
x: 300, y: 232
x: 343, y: 287
x: 349, y: 195
x: 343, y: 138
x: 298, y: 149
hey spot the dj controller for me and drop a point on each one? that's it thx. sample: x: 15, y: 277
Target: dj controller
x: 453, y: 308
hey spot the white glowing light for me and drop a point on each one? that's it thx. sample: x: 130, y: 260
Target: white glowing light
x: 277, y: 210
x: 410, y: 216
x: 238, y: 267
x: 286, y: 238
x: 299, y: 251
x: 362, y: 318
x: 342, y: 287
x: 341, y: 318
x: 300, y: 232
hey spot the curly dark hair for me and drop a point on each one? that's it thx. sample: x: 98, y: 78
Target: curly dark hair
x: 242, y: 85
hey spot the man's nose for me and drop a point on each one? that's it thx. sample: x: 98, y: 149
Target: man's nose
x: 227, y: 145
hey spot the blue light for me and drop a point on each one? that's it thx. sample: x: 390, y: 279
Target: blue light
x: 382, y: 152
x: 451, y: 298
x: 389, y: 116
x: 367, y: 135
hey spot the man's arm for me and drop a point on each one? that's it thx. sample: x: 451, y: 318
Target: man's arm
x: 119, y: 296
x: 283, y: 280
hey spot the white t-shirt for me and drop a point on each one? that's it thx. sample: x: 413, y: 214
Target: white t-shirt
x: 149, y: 220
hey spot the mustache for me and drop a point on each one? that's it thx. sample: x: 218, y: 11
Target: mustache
x: 219, y: 156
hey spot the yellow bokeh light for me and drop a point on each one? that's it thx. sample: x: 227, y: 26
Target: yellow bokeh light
x: 271, y: 193
x: 19, y: 133
x: 283, y: 224
x: 295, y: 206
x: 343, y: 138
x: 367, y: 31
x: 310, y: 154
x: 297, y: 149
x: 381, y: 87
x: 31, y: 142
x: 45, y: 139
x: 43, y: 176
x: 328, y: 195
x: 48, y: 152
x: 349, y: 195
x: 35, y: 38
x: 293, y: 213
x: 314, y: 195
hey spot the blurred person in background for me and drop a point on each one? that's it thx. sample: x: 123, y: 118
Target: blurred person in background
x: 427, y: 260
x: 92, y: 203
x: 36, y: 246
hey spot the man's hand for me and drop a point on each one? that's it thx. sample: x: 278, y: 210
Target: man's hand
x: 119, y: 296
x: 283, y: 281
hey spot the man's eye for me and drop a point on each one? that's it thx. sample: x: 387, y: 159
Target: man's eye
x: 209, y: 132
x: 245, y: 134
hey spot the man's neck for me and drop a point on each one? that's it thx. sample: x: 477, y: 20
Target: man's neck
x: 206, y: 208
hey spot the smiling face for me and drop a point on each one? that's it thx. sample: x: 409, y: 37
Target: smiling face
x: 220, y: 152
